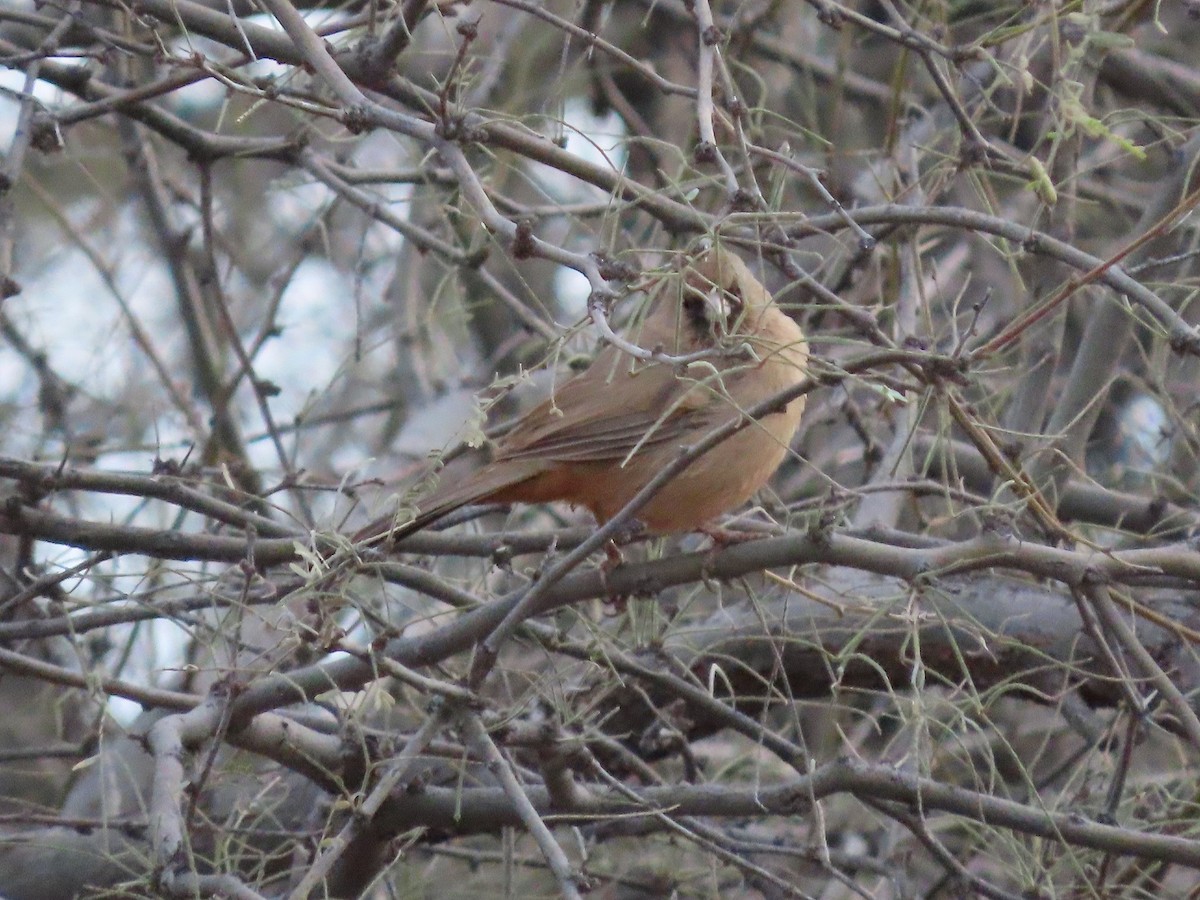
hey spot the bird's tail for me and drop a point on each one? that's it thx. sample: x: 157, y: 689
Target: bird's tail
x: 488, y: 483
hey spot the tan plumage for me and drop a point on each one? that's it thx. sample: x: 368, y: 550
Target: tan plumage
x: 605, y: 433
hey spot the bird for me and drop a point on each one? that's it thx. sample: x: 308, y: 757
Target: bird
x: 605, y: 433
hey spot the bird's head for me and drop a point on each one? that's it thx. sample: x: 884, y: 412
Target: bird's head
x: 721, y: 297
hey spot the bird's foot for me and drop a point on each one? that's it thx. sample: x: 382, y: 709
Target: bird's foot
x: 613, y: 557
x: 725, y: 537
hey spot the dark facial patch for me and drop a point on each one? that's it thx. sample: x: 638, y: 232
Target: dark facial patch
x: 696, y: 308
x: 712, y: 309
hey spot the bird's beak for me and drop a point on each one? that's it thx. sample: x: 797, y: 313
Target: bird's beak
x: 717, y: 304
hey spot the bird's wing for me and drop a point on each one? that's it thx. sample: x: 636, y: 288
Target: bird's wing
x: 594, y: 418
x: 580, y: 423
